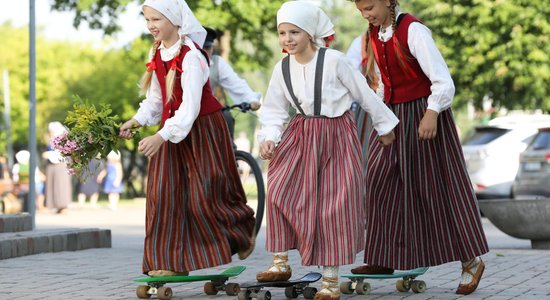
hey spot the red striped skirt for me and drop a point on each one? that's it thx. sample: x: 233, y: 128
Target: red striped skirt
x: 315, y: 191
x: 196, y: 212
x: 421, y: 207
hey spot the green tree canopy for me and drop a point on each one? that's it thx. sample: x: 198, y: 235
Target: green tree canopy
x: 494, y: 48
x: 249, y: 22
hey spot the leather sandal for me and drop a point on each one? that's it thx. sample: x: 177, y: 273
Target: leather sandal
x: 367, y: 269
x: 329, y: 289
x: 466, y: 289
x: 279, y: 270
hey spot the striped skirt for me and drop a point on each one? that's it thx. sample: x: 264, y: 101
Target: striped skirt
x: 364, y: 128
x: 196, y: 212
x: 315, y: 188
x: 421, y: 207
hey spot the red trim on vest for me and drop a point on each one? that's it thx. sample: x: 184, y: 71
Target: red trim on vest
x: 399, y: 85
x: 209, y: 103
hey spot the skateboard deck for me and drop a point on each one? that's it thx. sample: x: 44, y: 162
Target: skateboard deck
x: 216, y: 283
x: 293, y: 288
x: 407, y: 282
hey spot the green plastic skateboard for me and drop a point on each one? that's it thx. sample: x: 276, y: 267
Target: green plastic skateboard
x: 408, y: 281
x: 293, y: 288
x: 216, y: 283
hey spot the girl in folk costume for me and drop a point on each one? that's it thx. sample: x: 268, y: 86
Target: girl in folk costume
x: 314, y: 176
x: 419, y: 184
x: 196, y: 212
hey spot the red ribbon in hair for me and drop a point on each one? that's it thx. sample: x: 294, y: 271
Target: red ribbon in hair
x: 284, y: 51
x: 328, y: 39
x: 151, y: 66
x: 174, y: 65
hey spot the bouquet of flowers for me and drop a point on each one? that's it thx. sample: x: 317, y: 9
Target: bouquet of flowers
x: 92, y: 132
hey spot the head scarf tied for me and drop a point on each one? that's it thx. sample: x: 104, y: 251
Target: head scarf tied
x: 179, y: 13
x: 309, y: 18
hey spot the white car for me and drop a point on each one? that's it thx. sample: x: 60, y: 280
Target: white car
x: 492, y: 152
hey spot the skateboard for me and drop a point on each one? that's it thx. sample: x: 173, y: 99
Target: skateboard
x: 293, y: 288
x: 358, y: 284
x: 216, y: 283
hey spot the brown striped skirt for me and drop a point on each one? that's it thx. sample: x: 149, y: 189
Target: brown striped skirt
x: 421, y: 207
x: 315, y: 191
x: 196, y: 212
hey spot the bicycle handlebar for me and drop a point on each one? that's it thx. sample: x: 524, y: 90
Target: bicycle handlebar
x: 245, y: 106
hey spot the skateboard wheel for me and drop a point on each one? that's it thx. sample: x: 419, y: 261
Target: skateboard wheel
x: 403, y: 285
x: 210, y: 288
x: 290, y: 292
x: 418, y: 286
x: 362, y: 288
x: 309, y: 292
x: 142, y: 292
x: 264, y: 295
x: 164, y: 293
x: 346, y: 288
x: 232, y: 289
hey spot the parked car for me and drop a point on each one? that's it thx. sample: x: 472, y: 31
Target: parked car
x: 533, y: 178
x: 492, y: 152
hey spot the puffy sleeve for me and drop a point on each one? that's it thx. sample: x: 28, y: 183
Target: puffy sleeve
x: 431, y: 61
x: 274, y: 111
x: 383, y: 119
x: 150, y: 109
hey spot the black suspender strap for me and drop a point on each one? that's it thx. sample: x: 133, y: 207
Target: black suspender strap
x: 318, y: 82
x: 286, y: 75
x: 318, y: 87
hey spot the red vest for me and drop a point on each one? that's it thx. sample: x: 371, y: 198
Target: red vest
x: 400, y: 86
x: 209, y: 103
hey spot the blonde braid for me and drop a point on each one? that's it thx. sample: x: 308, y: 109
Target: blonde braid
x: 398, y: 49
x: 370, y: 73
x: 145, y: 81
x: 170, y: 77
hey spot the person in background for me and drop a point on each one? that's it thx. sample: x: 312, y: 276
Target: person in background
x: 59, y: 188
x: 111, y: 176
x: 223, y: 79
x: 421, y: 206
x: 90, y: 187
x: 196, y: 212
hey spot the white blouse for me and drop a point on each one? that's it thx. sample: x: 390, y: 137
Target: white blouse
x: 341, y: 83
x: 194, y: 77
x: 429, y: 58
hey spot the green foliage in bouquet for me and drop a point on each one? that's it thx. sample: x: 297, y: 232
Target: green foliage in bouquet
x: 92, y: 133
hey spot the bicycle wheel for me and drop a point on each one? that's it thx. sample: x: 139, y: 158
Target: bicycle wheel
x: 253, y: 184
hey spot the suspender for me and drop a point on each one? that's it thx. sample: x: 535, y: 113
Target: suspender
x: 318, y: 82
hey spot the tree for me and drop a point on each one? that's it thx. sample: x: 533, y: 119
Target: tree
x: 248, y: 22
x: 499, y: 49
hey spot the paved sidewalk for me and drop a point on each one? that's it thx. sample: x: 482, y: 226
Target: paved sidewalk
x: 514, y: 270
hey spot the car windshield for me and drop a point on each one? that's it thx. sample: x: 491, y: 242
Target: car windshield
x: 541, y: 141
x: 483, y: 135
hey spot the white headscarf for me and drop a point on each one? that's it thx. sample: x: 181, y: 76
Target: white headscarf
x: 308, y: 17
x: 179, y: 13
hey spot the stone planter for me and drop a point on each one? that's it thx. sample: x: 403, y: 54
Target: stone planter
x: 523, y: 219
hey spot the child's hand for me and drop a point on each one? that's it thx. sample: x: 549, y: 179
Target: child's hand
x: 387, y: 139
x: 150, y: 145
x: 126, y: 128
x: 267, y: 149
x: 427, y: 129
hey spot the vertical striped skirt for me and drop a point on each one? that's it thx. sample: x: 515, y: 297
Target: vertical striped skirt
x: 196, y: 214
x: 315, y: 189
x: 421, y: 207
x: 364, y: 128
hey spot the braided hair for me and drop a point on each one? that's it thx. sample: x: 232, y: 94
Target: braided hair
x: 368, y: 52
